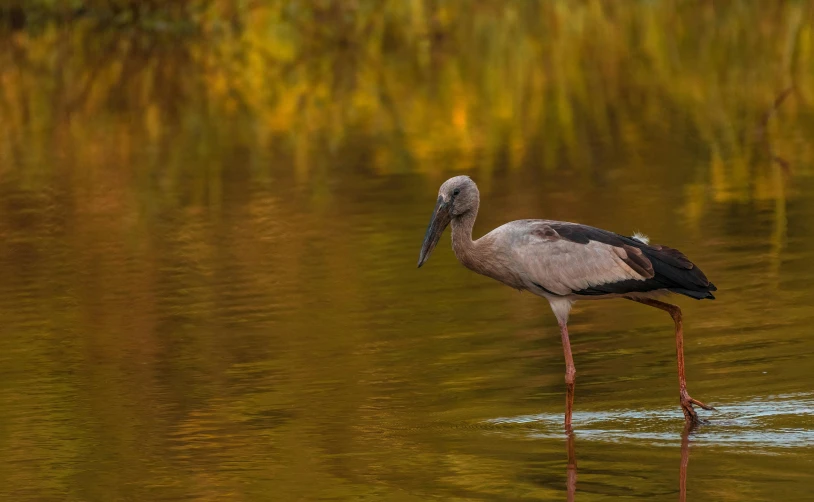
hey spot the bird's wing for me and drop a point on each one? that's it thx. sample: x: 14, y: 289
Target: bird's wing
x: 564, y: 259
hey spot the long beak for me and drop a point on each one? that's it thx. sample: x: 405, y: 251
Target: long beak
x: 438, y: 222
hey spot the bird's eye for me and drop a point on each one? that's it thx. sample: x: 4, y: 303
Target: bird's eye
x: 456, y: 192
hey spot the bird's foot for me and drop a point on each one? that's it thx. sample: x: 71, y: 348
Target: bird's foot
x: 689, y: 413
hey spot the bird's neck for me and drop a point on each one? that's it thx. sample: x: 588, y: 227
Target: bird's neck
x: 466, y: 250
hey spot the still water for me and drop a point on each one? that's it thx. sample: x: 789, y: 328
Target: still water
x: 197, y: 315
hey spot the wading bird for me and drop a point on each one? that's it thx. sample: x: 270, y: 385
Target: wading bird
x: 565, y: 262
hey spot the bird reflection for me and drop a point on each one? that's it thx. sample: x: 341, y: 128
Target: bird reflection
x: 685, y: 460
x: 572, y: 467
x: 571, y: 470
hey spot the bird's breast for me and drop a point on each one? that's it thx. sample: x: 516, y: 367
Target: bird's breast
x: 496, y: 266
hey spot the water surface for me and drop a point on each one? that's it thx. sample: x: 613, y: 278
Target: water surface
x: 200, y: 304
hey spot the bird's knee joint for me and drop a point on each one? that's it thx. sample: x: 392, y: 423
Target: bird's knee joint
x: 675, y: 313
x: 570, y: 375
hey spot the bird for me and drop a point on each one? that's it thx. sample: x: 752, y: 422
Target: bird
x: 566, y: 262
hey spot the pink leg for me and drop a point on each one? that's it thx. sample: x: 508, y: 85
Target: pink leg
x: 684, y: 397
x: 570, y: 375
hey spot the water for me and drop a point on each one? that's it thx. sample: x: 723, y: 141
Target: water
x: 192, y: 311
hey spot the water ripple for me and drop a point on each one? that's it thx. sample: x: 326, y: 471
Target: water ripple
x: 757, y: 423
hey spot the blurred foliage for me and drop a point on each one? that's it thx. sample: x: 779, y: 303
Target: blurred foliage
x: 425, y: 85
x: 150, y: 14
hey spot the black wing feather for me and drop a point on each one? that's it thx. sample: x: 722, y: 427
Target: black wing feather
x: 672, y: 270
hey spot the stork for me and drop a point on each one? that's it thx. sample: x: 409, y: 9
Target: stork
x: 564, y: 262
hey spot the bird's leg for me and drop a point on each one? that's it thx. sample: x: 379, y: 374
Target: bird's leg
x: 686, y: 401
x: 570, y: 375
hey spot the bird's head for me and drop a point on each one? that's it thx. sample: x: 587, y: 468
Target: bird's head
x: 456, y: 197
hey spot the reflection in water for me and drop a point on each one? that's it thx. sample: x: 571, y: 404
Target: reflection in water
x: 685, y: 460
x: 744, y: 425
x: 571, y: 474
x: 754, y: 426
x: 571, y: 469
